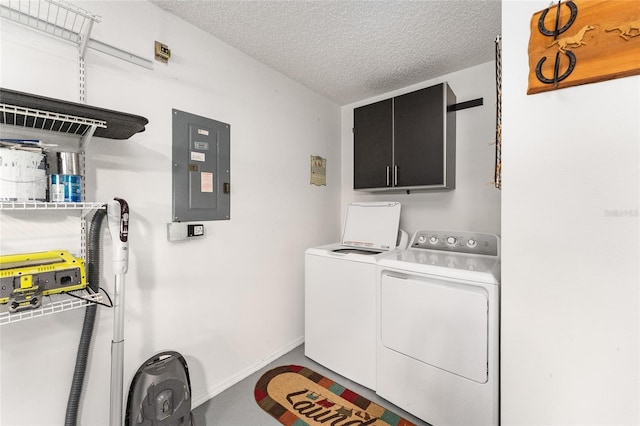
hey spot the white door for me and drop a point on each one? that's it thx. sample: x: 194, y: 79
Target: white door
x: 439, y: 323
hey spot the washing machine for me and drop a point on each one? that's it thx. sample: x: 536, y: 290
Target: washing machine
x: 340, y: 295
x: 438, y: 308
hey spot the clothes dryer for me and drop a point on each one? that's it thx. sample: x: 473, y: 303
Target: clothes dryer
x: 340, y: 295
x: 438, y: 328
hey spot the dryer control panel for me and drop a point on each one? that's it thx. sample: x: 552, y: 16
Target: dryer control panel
x: 457, y: 241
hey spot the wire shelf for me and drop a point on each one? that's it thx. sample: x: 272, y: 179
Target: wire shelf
x: 54, y: 17
x: 51, y: 304
x: 41, y: 205
x: 45, y: 120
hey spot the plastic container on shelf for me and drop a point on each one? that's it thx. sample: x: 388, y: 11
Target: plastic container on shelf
x: 65, y: 181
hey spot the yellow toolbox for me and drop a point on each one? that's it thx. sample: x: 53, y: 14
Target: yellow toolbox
x: 26, y: 277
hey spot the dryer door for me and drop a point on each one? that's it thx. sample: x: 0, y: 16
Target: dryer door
x: 440, y: 323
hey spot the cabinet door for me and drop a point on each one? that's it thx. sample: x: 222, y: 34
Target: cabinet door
x: 419, y: 137
x: 372, y: 145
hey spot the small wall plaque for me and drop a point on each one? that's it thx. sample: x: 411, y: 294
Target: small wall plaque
x: 318, y: 171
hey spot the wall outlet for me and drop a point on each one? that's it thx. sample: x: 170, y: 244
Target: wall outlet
x: 177, y: 231
x: 195, y: 230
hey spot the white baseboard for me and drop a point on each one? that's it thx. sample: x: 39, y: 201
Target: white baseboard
x: 224, y: 385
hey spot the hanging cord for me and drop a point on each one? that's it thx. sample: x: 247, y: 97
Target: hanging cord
x: 93, y: 258
x: 107, y: 305
x: 498, y: 168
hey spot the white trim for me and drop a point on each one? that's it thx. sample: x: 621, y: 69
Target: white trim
x: 198, y: 400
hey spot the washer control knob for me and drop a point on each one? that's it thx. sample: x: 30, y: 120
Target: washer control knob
x: 452, y: 241
x: 471, y: 243
x: 422, y: 239
x: 433, y: 239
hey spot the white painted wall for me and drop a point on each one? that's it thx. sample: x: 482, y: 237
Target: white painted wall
x: 570, y: 277
x: 230, y: 301
x: 475, y: 203
x: 233, y: 300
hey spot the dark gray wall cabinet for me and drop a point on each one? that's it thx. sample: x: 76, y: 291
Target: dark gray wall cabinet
x: 406, y: 142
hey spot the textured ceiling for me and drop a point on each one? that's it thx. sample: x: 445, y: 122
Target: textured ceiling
x: 351, y: 50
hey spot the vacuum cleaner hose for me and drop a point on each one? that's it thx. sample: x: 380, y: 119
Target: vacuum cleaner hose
x: 93, y: 275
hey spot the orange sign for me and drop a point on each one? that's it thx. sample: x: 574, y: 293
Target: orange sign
x: 583, y: 41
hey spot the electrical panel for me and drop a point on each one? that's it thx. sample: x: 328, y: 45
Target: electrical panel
x: 201, y: 172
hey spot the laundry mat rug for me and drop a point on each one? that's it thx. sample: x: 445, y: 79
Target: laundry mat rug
x: 297, y: 396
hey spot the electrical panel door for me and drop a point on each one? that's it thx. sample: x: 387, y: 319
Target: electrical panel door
x: 201, y: 168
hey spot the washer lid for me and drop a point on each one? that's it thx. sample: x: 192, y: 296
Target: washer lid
x: 371, y: 225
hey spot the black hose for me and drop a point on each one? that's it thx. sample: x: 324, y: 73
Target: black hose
x: 93, y: 277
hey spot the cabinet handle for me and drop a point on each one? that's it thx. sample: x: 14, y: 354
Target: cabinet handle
x: 395, y: 175
x: 388, y: 170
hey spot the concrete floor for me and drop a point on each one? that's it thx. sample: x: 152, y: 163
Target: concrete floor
x: 236, y: 406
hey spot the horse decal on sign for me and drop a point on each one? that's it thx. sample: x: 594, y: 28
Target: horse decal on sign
x: 627, y: 30
x: 574, y: 41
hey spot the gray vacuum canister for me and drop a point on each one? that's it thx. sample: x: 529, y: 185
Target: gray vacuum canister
x: 160, y: 393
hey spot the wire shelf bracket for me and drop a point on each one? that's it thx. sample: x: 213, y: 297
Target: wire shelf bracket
x: 65, y: 21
